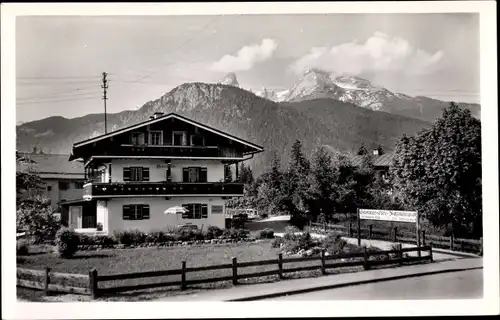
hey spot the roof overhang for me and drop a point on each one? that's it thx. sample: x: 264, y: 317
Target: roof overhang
x: 256, y: 148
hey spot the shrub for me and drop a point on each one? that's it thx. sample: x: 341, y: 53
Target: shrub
x: 264, y: 215
x: 333, y: 243
x: 265, y: 234
x: 213, y: 232
x: 99, y: 226
x: 85, y: 239
x: 67, y: 241
x: 22, y: 248
x: 235, y: 233
x: 276, y: 243
x: 130, y: 237
x: 156, y: 237
x: 102, y: 240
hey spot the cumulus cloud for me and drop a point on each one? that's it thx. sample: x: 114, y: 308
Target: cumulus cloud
x: 378, y: 53
x: 246, y: 57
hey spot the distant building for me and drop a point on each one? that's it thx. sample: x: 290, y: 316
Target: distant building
x: 382, y: 163
x: 63, y: 180
x: 136, y: 173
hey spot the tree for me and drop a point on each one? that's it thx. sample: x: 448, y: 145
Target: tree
x: 380, y: 150
x: 322, y: 188
x: 298, y: 176
x: 362, y: 150
x: 246, y: 175
x: 270, y: 187
x: 34, y: 214
x: 438, y: 172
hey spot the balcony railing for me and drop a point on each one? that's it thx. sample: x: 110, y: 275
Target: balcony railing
x: 178, y: 151
x: 161, y: 189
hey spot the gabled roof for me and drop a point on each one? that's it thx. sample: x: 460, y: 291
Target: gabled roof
x: 52, y: 164
x: 384, y: 160
x: 165, y: 117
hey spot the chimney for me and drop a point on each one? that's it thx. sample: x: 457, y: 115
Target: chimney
x: 375, y: 152
x: 157, y: 114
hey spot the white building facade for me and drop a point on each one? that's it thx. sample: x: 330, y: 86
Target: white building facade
x: 135, y: 174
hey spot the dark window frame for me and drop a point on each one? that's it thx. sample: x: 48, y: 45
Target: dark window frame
x: 136, y: 212
x: 197, y: 211
x: 65, y: 183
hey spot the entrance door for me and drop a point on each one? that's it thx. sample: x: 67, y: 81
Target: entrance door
x: 75, y: 217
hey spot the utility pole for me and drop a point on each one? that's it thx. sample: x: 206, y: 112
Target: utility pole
x: 105, y: 87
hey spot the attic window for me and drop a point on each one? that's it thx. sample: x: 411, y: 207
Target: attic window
x: 179, y: 138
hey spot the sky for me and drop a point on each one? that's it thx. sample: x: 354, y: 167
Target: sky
x: 60, y: 59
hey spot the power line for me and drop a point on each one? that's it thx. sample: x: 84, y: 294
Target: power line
x: 58, y: 78
x: 60, y: 95
x: 55, y: 101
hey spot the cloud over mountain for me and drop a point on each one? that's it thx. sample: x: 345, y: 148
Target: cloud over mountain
x: 378, y: 54
x: 246, y: 57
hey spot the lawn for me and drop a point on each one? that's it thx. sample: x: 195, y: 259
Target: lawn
x: 154, y: 259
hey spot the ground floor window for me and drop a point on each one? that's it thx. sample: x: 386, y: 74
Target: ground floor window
x: 195, y: 211
x: 136, y: 212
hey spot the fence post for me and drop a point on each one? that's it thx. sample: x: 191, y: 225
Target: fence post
x: 370, y: 232
x: 350, y: 229
x: 323, y: 269
x: 46, y: 281
x: 423, y: 237
x: 430, y: 255
x: 365, y: 265
x: 280, y: 265
x: 395, y: 234
x: 183, y: 275
x: 235, y: 271
x: 400, y: 253
x: 481, y: 245
x: 93, y: 283
x: 451, y: 242
x: 462, y: 246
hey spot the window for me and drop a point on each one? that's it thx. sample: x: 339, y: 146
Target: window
x: 155, y: 138
x: 136, y: 212
x: 217, y: 209
x: 136, y: 174
x: 197, y: 140
x: 49, y: 188
x: 194, y: 174
x: 137, y: 138
x: 178, y: 138
x: 63, y: 185
x: 78, y: 185
x: 195, y: 211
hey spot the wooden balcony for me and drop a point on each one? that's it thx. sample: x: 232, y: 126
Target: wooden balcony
x: 158, y: 189
x: 177, y: 151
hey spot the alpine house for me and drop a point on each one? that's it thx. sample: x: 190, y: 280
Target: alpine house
x: 133, y: 175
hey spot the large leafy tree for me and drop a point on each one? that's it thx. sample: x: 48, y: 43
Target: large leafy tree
x: 34, y: 214
x: 438, y: 172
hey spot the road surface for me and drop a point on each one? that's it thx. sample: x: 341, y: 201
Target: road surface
x: 454, y: 285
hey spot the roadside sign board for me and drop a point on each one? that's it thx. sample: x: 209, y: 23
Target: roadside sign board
x: 389, y: 215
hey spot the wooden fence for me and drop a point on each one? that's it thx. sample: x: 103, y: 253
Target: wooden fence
x: 53, y: 281
x: 451, y: 243
x: 94, y: 279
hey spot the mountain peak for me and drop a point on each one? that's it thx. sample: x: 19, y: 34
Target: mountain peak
x: 353, y: 82
x: 230, y: 80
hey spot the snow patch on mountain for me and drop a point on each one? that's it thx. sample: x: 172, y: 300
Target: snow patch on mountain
x: 230, y: 80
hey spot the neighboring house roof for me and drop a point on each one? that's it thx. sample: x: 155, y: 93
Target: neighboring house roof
x: 384, y: 160
x: 52, y: 166
x: 165, y: 117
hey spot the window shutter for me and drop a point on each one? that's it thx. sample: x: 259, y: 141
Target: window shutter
x: 145, y: 211
x: 203, y: 175
x: 186, y: 215
x: 145, y: 174
x: 185, y: 174
x: 126, y: 212
x: 204, y: 211
x: 126, y: 174
x: 146, y: 137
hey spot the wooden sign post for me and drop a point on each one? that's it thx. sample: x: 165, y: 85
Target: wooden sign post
x: 359, y: 229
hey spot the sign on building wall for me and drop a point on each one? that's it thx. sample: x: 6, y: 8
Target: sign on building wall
x: 388, y: 215
x: 216, y: 209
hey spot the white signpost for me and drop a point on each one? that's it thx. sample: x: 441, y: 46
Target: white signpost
x: 389, y: 215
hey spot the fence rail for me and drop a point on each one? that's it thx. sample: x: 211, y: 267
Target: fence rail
x: 451, y: 243
x: 92, y: 280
